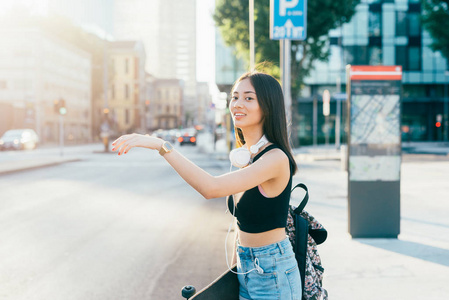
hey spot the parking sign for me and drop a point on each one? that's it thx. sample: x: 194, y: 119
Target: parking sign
x: 288, y: 19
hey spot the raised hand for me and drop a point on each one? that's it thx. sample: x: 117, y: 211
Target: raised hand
x: 124, y: 143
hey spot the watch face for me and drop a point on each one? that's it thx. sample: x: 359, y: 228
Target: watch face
x: 168, y: 147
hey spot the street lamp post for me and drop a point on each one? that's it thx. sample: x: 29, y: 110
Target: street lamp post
x: 252, y: 55
x: 446, y: 106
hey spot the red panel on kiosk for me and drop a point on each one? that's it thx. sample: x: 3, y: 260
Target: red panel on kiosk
x: 376, y: 73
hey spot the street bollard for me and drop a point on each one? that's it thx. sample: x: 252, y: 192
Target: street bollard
x: 344, y: 157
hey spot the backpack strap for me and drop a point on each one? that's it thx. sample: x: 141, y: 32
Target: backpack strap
x: 319, y: 235
x: 304, y: 201
x: 301, y: 237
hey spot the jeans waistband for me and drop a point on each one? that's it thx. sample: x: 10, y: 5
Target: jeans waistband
x: 280, y: 247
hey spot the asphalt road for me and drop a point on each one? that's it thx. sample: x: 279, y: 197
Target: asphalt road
x: 109, y: 227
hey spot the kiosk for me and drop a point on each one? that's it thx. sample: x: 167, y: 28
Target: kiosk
x: 374, y: 150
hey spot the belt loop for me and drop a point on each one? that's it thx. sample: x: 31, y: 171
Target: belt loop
x: 280, y: 248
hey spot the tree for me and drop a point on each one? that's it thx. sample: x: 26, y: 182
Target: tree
x: 435, y: 18
x: 232, y: 19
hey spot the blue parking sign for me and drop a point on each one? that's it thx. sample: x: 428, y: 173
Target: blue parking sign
x: 288, y: 19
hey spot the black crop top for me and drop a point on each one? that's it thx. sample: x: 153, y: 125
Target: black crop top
x: 256, y: 213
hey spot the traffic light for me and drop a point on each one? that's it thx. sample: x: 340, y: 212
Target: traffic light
x: 439, y: 120
x: 59, y: 107
x: 62, y: 108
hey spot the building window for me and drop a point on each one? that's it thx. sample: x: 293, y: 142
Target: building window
x: 113, y: 92
x: 126, y: 91
x: 409, y: 58
x: 3, y: 85
x: 401, y: 56
x: 375, y: 56
x: 414, y: 59
x: 126, y: 116
x: 401, y: 23
x: 374, y: 23
x: 126, y: 65
x: 111, y: 65
x: 356, y: 55
x: 408, y: 24
x: 168, y: 109
x: 414, y: 24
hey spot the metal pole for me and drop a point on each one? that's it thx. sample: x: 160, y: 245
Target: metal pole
x: 105, y: 92
x: 337, y: 125
x: 338, y: 103
x: 61, y: 135
x: 315, y: 120
x: 228, y: 131
x: 251, y: 36
x: 446, y: 107
x: 284, y: 47
x: 287, y: 82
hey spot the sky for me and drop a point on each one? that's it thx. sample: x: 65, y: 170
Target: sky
x: 205, y: 32
x: 205, y: 41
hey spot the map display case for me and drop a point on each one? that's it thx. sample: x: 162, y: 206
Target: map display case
x: 374, y: 150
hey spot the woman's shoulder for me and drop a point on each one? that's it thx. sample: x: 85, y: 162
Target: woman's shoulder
x: 274, y: 152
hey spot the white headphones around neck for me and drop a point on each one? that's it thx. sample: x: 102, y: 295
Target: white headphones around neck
x: 241, y: 157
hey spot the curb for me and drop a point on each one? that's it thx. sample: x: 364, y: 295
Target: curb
x: 19, y: 166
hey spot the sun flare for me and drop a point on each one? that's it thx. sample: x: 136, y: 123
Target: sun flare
x: 32, y: 6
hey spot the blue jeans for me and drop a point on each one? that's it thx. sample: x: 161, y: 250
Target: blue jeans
x: 271, y: 272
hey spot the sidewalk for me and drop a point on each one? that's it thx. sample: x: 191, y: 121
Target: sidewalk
x: 45, y: 157
x: 414, y: 266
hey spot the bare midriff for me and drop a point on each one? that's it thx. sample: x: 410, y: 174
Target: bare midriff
x: 261, y: 239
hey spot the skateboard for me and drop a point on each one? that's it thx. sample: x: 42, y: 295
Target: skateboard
x: 225, y: 287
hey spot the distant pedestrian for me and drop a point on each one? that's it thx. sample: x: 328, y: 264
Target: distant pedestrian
x: 259, y: 192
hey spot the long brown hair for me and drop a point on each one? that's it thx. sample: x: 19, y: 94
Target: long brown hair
x: 271, y: 101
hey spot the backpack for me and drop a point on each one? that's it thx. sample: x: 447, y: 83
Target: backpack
x: 305, y: 233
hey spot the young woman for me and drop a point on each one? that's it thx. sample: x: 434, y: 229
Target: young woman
x: 259, y: 192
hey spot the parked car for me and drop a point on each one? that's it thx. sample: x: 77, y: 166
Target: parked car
x: 167, y: 135
x: 188, y: 136
x: 19, y: 139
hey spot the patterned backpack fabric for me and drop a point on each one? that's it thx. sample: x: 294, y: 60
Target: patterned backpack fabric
x: 305, y: 233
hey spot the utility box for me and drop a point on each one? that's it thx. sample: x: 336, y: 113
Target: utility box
x: 374, y: 150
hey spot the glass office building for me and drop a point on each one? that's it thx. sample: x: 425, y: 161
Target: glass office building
x: 387, y: 32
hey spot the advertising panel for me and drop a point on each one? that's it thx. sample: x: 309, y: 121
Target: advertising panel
x: 374, y: 148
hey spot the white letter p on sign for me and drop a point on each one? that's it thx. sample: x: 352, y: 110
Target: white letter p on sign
x: 284, y: 4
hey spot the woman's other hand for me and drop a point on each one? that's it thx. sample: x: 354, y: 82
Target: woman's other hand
x: 124, y: 143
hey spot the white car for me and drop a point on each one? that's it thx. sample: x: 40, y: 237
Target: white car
x: 19, y: 139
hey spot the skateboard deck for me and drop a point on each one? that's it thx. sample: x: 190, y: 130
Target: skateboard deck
x: 225, y: 287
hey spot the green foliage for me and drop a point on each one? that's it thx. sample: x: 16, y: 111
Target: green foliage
x: 435, y: 18
x: 232, y: 19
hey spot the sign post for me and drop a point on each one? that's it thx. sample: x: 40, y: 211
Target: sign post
x: 326, y: 113
x: 374, y: 148
x: 288, y: 20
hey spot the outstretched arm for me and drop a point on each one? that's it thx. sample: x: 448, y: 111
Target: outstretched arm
x: 266, y: 168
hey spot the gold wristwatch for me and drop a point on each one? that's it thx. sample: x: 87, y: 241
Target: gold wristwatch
x: 166, y: 148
